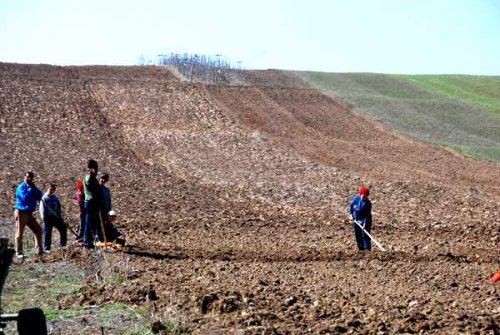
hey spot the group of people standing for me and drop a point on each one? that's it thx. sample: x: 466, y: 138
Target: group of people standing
x: 96, y: 214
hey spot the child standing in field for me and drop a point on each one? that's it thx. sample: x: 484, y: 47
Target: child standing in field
x: 50, y: 213
x: 106, y: 195
x: 80, y: 199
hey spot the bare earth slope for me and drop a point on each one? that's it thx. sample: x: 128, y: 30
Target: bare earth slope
x: 233, y: 201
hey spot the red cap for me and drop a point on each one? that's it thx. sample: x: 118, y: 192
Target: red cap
x: 364, y: 190
x: 79, y: 185
x: 496, y: 277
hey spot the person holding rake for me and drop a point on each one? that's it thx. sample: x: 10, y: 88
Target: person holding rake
x: 360, y: 211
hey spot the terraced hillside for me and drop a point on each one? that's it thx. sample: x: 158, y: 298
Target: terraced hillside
x: 459, y: 112
x: 233, y: 201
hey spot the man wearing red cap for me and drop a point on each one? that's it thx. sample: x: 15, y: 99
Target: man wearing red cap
x: 361, y: 211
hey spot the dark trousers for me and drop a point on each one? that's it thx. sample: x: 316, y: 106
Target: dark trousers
x: 92, y: 223
x: 53, y: 222
x: 363, y: 241
x: 81, y: 228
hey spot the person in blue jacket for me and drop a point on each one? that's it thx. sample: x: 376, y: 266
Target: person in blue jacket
x: 361, y: 211
x: 27, y: 196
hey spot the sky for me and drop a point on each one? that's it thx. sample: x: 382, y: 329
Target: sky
x: 382, y: 36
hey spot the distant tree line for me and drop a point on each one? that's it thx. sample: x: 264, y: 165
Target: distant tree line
x: 195, y: 67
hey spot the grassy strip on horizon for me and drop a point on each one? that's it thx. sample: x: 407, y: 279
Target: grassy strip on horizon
x: 483, y: 91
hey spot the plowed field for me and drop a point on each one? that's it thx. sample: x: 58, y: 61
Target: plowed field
x: 233, y: 200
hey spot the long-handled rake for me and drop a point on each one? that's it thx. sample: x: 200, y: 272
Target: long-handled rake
x: 379, y: 245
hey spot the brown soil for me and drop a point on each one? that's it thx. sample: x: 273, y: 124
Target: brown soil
x: 233, y: 202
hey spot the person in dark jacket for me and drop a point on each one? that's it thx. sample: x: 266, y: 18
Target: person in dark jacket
x: 51, y: 215
x: 110, y: 232
x: 106, y: 194
x: 361, y: 212
x: 92, y: 204
x: 27, y: 196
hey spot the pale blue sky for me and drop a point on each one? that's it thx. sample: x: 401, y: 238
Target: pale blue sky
x: 385, y: 36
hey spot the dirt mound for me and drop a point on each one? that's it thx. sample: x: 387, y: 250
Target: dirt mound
x: 233, y: 202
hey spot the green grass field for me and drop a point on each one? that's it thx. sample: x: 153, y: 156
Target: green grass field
x: 481, y: 91
x: 458, y: 112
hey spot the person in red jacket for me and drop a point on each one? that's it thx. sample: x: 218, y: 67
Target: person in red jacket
x: 80, y: 199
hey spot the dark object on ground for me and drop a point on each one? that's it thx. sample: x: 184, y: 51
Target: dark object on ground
x: 121, y: 241
x: 31, y: 321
